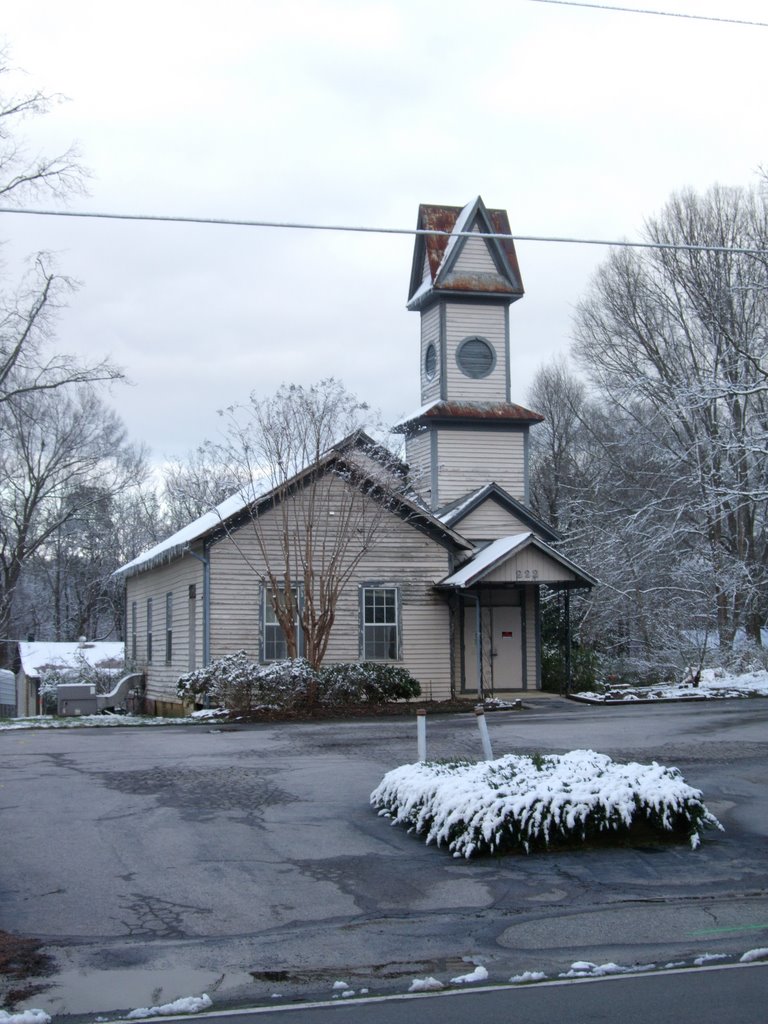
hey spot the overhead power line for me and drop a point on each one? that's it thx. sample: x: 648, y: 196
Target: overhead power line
x: 359, y: 229
x: 663, y: 14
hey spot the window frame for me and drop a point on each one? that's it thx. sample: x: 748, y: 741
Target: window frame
x: 134, y: 630
x: 274, y: 626
x: 397, y: 624
x: 169, y: 627
x: 149, y: 630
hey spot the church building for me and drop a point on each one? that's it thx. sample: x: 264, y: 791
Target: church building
x: 450, y: 585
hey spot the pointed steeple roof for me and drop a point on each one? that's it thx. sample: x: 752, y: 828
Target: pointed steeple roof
x: 458, y: 259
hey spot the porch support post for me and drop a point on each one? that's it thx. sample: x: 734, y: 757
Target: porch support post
x: 568, y: 670
x: 479, y: 647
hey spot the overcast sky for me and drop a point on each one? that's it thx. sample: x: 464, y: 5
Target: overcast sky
x: 578, y: 122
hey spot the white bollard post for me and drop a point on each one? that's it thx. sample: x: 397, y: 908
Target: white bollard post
x: 485, y: 738
x: 421, y: 733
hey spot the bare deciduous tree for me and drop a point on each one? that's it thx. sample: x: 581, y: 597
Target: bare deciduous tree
x: 674, y: 342
x: 317, y: 489
x: 59, y: 452
x: 28, y: 310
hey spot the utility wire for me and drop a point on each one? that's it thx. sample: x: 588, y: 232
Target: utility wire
x: 294, y: 226
x: 663, y: 14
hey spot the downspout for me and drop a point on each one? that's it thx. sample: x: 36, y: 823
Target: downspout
x: 206, y: 600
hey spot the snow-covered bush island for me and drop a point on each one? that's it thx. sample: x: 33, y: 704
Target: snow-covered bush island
x: 245, y: 687
x: 534, y: 803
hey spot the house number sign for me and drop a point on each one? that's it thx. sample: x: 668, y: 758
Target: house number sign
x: 527, y: 574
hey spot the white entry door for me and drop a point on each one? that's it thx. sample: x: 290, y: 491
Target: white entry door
x: 507, y: 649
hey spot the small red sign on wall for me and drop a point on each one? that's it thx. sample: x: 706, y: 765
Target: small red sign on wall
x: 506, y: 633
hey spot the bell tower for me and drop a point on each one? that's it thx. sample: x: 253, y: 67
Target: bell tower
x: 468, y: 433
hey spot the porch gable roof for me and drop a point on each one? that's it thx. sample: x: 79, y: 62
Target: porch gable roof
x: 505, y: 549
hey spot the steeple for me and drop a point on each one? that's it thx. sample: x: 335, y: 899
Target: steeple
x: 463, y: 280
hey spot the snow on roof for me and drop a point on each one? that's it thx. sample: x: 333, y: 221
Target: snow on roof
x: 176, y: 543
x: 38, y: 655
x: 418, y: 413
x: 454, y: 511
x: 497, y: 551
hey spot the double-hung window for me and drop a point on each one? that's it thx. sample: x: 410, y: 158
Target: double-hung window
x: 149, y: 629
x: 134, y: 638
x: 169, y: 628
x: 274, y: 646
x: 380, y: 614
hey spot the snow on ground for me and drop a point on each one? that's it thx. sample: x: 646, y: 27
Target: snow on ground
x: 480, y: 973
x: 89, y: 721
x: 425, y: 985
x: 25, y: 1017
x: 519, y: 802
x: 187, y: 1004
x: 761, y: 953
x: 715, y: 683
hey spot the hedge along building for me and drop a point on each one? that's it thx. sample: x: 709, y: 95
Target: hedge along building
x: 446, y: 562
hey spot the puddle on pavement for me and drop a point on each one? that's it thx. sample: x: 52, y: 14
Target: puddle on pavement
x: 110, y: 991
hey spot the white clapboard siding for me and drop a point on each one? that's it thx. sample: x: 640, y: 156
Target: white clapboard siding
x: 400, y: 555
x: 174, y: 578
x: 474, y: 259
x: 468, y: 320
x: 417, y: 455
x: 530, y: 566
x: 430, y: 334
x: 489, y: 521
x: 470, y: 458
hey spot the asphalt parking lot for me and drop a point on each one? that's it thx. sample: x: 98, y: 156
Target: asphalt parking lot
x: 245, y: 861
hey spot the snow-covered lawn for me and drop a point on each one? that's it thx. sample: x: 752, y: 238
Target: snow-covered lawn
x: 714, y: 683
x: 90, y: 721
x: 531, y: 803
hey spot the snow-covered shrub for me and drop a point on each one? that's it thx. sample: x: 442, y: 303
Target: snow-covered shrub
x: 366, y: 682
x: 242, y: 686
x: 523, y: 803
x: 229, y: 682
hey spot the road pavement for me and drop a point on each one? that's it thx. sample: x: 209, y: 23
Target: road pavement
x: 245, y: 861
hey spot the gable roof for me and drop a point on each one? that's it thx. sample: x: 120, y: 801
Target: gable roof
x: 453, y: 513
x: 439, y: 246
x: 500, y: 551
x: 251, y: 500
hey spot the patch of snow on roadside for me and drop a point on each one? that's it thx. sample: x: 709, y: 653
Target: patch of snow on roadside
x: 707, y: 958
x: 425, y: 985
x: 339, y: 986
x: 586, y: 969
x: 761, y: 953
x: 518, y: 979
x: 187, y: 1004
x: 479, y: 974
x: 25, y: 1017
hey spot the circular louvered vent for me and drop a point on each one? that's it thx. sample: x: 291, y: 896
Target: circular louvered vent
x: 475, y: 357
x: 430, y: 362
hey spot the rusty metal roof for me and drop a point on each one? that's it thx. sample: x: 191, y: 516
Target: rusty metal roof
x: 498, y: 412
x: 443, y: 219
